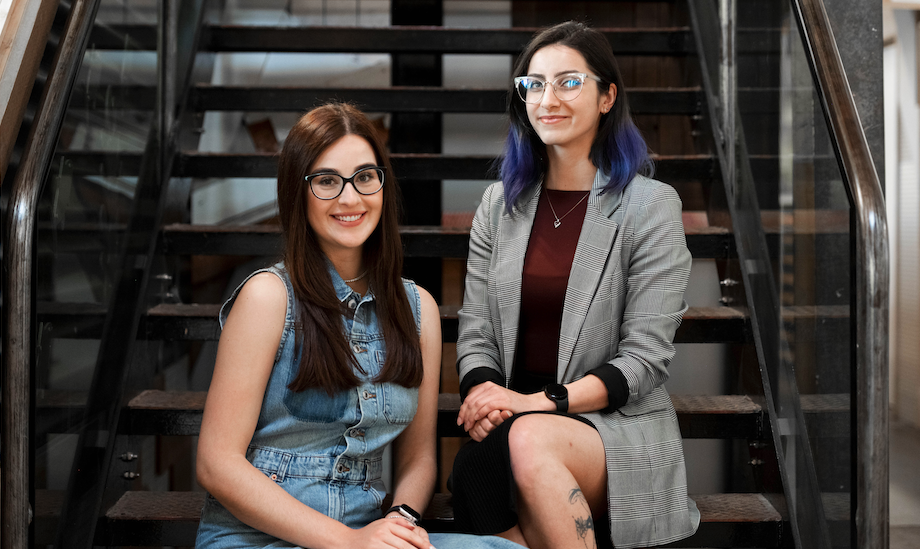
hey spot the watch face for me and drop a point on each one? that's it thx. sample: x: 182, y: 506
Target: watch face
x: 556, y: 391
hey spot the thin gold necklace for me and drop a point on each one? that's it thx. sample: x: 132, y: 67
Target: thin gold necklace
x: 355, y: 279
x: 558, y: 220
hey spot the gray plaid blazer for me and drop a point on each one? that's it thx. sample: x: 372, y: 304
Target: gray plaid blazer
x: 625, y: 300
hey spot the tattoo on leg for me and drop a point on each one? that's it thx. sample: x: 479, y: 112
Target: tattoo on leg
x: 584, y: 524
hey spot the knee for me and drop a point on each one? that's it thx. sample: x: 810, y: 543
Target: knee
x: 527, y: 448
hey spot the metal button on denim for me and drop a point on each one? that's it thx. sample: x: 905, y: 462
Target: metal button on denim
x: 352, y: 303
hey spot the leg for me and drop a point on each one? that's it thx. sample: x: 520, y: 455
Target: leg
x: 515, y: 535
x: 560, y: 470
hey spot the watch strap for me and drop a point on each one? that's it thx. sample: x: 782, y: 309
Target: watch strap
x: 406, y: 512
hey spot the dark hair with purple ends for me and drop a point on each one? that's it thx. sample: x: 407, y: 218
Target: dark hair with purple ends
x: 618, y: 147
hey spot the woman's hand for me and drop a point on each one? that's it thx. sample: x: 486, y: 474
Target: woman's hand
x: 388, y: 533
x: 486, y: 398
x: 486, y: 425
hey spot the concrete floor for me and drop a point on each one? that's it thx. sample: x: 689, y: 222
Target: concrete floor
x: 904, y: 500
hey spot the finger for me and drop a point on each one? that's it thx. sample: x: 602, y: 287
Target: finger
x: 411, y: 537
x: 495, y: 417
x: 400, y: 521
x: 422, y: 533
x: 486, y: 409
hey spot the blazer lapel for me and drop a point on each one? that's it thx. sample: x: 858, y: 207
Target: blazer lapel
x: 591, y: 255
x: 514, y: 235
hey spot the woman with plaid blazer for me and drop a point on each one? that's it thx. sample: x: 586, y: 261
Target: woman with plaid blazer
x: 574, y: 290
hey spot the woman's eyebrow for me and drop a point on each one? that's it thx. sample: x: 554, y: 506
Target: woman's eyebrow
x: 357, y: 169
x: 560, y: 73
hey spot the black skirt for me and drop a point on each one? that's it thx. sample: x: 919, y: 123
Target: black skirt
x: 482, y: 483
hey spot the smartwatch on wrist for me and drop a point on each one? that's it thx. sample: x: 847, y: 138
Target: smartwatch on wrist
x: 411, y: 515
x: 558, y: 394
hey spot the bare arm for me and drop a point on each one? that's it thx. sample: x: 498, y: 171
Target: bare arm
x: 415, y: 452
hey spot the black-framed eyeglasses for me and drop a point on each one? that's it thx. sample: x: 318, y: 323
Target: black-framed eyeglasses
x: 329, y: 185
x: 566, y: 87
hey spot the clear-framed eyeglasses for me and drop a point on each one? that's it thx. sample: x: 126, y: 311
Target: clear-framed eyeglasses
x: 566, y: 87
x: 329, y: 185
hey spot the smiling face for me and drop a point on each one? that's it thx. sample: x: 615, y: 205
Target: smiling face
x: 343, y: 224
x: 566, y: 124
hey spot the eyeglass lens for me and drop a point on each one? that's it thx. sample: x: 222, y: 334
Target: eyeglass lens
x: 330, y: 185
x: 567, y: 87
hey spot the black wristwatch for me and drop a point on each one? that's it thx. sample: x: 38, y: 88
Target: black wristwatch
x: 405, y: 512
x: 558, y: 394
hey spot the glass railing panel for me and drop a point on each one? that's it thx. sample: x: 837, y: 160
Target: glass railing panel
x: 805, y: 216
x: 83, y: 210
x: 814, y: 250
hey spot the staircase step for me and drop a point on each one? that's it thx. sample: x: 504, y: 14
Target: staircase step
x: 265, y: 240
x: 328, y: 39
x: 418, y: 241
x: 178, y: 413
x: 203, y: 97
x: 198, y: 322
x: 673, y: 169
x: 171, y: 519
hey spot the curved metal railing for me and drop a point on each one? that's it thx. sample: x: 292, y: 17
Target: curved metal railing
x: 18, y: 267
x: 871, y: 290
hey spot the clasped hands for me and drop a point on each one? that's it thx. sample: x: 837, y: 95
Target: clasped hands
x: 488, y: 405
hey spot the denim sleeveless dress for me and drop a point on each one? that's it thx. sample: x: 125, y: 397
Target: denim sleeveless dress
x: 327, y: 451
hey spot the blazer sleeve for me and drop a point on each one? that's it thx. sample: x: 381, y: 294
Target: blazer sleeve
x: 478, y: 353
x: 658, y: 272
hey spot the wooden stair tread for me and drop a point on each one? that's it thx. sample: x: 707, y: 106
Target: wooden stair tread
x: 178, y: 413
x: 198, y: 322
x: 171, y: 518
x: 408, y: 166
x: 414, y: 39
x: 208, y: 97
x: 700, y: 416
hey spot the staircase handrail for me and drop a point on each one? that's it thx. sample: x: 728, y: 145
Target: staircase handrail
x: 18, y: 270
x: 870, y: 269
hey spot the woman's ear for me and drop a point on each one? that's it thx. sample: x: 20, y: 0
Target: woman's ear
x: 608, y: 98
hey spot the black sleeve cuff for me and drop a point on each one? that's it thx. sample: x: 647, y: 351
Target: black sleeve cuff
x: 617, y: 386
x: 477, y: 376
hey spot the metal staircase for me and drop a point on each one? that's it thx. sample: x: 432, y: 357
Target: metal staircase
x: 119, y: 262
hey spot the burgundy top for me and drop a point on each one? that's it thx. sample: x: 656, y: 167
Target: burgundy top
x: 545, y: 277
x: 547, y: 264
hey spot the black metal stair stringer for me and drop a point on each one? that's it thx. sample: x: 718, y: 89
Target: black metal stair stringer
x: 86, y: 491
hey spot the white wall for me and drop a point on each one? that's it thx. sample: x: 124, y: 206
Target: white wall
x: 902, y: 120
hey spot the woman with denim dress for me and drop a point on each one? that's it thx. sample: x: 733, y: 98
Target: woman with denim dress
x: 325, y: 359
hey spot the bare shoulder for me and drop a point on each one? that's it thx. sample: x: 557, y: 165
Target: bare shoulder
x: 428, y: 305
x: 263, y: 297
x: 430, y: 317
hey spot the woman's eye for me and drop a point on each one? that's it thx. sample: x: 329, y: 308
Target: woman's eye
x: 571, y: 83
x: 326, y: 181
x: 535, y: 85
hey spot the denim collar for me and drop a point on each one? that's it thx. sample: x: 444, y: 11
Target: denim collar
x: 344, y: 291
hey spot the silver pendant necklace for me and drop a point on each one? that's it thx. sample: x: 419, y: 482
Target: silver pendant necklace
x: 558, y: 220
x: 355, y: 279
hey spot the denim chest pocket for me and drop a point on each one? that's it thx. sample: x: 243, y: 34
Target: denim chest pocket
x: 399, y: 403
x: 315, y: 405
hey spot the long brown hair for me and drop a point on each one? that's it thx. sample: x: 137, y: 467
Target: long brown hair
x: 326, y: 359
